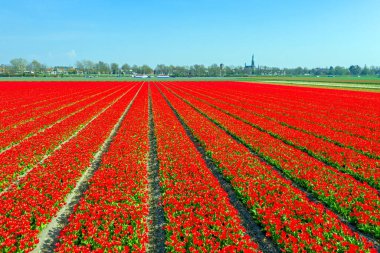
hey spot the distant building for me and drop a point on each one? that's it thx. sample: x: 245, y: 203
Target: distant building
x: 250, y: 69
x: 163, y: 76
x: 59, y: 70
x: 140, y: 76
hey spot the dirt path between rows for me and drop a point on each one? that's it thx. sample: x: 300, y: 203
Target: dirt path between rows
x: 49, y: 236
x: 46, y: 156
x: 253, y: 229
x: 156, y: 218
x: 280, y: 173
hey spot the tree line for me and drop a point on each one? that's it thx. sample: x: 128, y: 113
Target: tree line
x: 21, y: 67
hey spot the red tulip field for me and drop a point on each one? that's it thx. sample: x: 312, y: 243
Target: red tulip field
x: 188, y: 166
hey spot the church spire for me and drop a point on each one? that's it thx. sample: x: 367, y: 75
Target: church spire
x: 253, y: 61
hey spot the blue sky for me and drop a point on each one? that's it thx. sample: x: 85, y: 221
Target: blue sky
x: 183, y: 32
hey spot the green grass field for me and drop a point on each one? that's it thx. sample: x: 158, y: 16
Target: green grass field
x: 360, y: 79
x: 342, y: 82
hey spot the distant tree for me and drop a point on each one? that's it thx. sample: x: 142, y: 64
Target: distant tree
x: 87, y: 66
x: 102, y: 68
x: 229, y: 71
x: 18, y: 65
x: 185, y: 70
x: 80, y: 66
x: 320, y: 71
x: 114, y: 68
x: 126, y: 68
x: 365, y: 71
x: 4, y: 70
x: 239, y: 71
x: 277, y: 71
x: 179, y: 71
x: 36, y: 66
x: 339, y: 71
x: 161, y: 69
x: 199, y: 70
x: 146, y: 69
x: 213, y: 70
x: 354, y: 70
x: 374, y: 70
x: 136, y: 69
x: 331, y: 71
x: 298, y: 71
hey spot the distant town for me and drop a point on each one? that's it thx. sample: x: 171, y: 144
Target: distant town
x: 20, y: 67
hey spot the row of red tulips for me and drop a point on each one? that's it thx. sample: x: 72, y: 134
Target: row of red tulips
x: 343, y: 104
x: 29, y: 153
x: 354, y: 127
x: 303, y: 116
x: 200, y: 217
x: 28, y: 95
x: 27, y: 209
x: 344, y: 159
x: 23, y: 114
x: 113, y: 212
x: 18, y: 133
x: 357, y: 109
x: 286, y: 213
x: 356, y: 201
